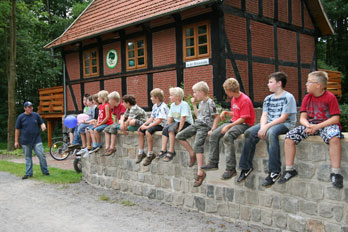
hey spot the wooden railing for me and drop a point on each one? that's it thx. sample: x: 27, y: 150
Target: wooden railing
x: 334, y: 82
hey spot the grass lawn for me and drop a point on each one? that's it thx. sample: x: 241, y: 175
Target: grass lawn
x: 57, y: 176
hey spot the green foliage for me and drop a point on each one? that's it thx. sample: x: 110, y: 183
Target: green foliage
x: 104, y: 198
x: 57, y: 176
x: 127, y: 203
x: 344, y: 117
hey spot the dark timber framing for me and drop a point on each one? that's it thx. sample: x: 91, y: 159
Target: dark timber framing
x: 250, y: 61
x: 101, y: 61
x: 179, y: 50
x: 68, y: 82
x: 299, y: 73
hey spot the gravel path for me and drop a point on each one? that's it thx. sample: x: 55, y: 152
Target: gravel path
x: 28, y: 205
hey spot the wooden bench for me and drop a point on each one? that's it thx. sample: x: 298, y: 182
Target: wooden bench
x: 334, y: 82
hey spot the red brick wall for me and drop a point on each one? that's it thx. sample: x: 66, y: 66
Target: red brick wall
x: 287, y: 45
x: 106, y: 48
x: 243, y: 71
x: 283, y: 11
x: 196, y: 74
x: 252, y: 6
x: 236, y: 33
x: 304, y: 75
x: 92, y: 87
x: 133, y: 29
x: 260, y: 74
x: 161, y: 21
x: 164, y: 80
x: 234, y: 3
x: 268, y: 8
x: 113, y: 85
x: 77, y: 93
x: 163, y: 47
x: 307, y: 19
x: 296, y: 13
x: 73, y: 65
x: 262, y: 39
x: 137, y: 85
x: 307, y: 48
x: 89, y: 41
x: 292, y: 84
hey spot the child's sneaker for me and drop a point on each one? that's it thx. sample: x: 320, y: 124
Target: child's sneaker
x: 140, y: 157
x: 209, y: 166
x: 337, y: 180
x: 149, y: 159
x: 228, y: 174
x: 287, y: 175
x: 271, y: 179
x: 73, y: 146
x: 86, y: 154
x: 82, y: 151
x: 95, y: 149
x: 244, y: 174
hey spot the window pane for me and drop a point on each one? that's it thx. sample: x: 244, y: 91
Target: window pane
x: 130, y: 54
x: 131, y: 63
x: 94, y: 54
x: 141, y: 61
x: 202, y: 29
x: 190, y: 51
x: 190, y: 42
x: 86, y: 62
x: 203, y: 50
x: 189, y: 32
x: 130, y: 45
x: 86, y: 70
x: 140, y: 43
x: 94, y: 62
x: 141, y: 52
x: 202, y: 39
x: 87, y: 55
x: 94, y: 70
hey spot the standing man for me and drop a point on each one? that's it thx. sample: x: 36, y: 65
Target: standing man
x: 27, y: 126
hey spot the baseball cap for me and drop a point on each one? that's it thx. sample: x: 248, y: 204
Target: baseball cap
x: 28, y: 103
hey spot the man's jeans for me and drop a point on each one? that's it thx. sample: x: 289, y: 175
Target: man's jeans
x: 250, y: 141
x: 39, y: 151
x: 228, y: 142
x: 77, y: 136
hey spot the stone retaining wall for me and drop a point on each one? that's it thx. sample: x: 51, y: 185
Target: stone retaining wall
x: 306, y: 203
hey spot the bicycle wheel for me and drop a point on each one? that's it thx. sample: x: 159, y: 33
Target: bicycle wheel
x: 78, y: 165
x: 59, y: 150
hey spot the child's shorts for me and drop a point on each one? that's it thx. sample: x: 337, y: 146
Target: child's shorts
x: 100, y: 128
x: 153, y: 129
x: 173, y: 127
x: 111, y: 129
x: 201, y: 132
x: 81, y: 128
x: 130, y: 128
x: 298, y: 134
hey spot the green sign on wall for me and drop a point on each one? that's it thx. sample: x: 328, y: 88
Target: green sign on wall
x: 111, y: 58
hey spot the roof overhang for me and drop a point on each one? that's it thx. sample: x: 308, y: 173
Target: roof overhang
x: 317, y: 10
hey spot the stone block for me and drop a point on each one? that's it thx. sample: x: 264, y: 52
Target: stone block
x: 137, y: 190
x: 178, y: 199
x: 315, y: 192
x: 177, y: 171
x: 276, y: 202
x: 305, y: 170
x: 124, y: 187
x: 210, y: 206
x: 108, y: 183
x: 148, y: 179
x: 280, y: 220
x: 326, y: 210
x: 176, y: 184
x: 290, y: 205
x: 255, y: 215
x: 125, y: 175
x: 250, y: 182
x: 203, y: 189
x: 165, y: 182
x: 333, y: 193
x: 314, y: 226
x: 309, y: 207
x: 266, y: 200
x: 159, y: 194
x: 129, y: 165
x: 296, y: 223
x: 101, y: 181
x: 141, y: 177
x: 189, y: 201
x: 265, y: 166
x: 338, y: 212
x: 184, y: 158
x: 240, y: 197
x: 115, y: 184
x: 319, y: 152
x: 234, y: 210
x: 168, y: 197
x: 200, y: 203
x: 346, y: 195
x: 133, y: 176
x: 219, y: 193
x: 302, y: 152
x: 324, y: 172
x: 266, y: 217
x: 151, y: 194
x: 93, y: 169
x: 332, y: 228
x: 143, y: 168
x: 228, y: 194
x: 297, y: 188
x: 210, y: 191
x: 252, y: 198
x: 154, y: 169
x: 245, y: 213
x: 223, y: 210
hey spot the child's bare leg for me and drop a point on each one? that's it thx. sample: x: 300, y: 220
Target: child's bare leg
x: 141, y: 140
x: 71, y: 137
x: 113, y: 141
x: 171, y: 141
x: 107, y: 140
x: 83, y: 139
x: 92, y: 133
x: 164, y: 143
x: 97, y: 136
x: 290, y: 151
x: 89, y: 138
x: 149, y: 140
x: 200, y: 163
x: 187, y: 146
x: 335, y: 152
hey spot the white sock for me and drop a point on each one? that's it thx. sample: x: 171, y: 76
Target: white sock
x: 289, y: 168
x: 141, y: 151
x: 336, y: 170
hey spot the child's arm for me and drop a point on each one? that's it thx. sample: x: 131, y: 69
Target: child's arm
x: 264, y: 126
x: 107, y: 110
x: 146, y: 124
x: 312, y: 128
x: 194, y: 104
x: 226, y: 113
x: 182, y: 122
x: 170, y: 120
x: 215, y: 123
x: 237, y: 122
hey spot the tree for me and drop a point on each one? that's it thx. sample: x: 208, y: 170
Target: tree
x: 12, y: 79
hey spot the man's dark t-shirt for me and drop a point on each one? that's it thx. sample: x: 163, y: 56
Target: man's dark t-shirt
x: 29, y: 124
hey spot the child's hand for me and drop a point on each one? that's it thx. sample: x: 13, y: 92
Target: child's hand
x: 262, y: 133
x: 193, y: 100
x: 222, y: 115
x: 225, y: 129
x: 209, y: 132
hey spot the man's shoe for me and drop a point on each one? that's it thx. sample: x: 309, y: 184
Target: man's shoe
x: 228, y: 174
x: 26, y: 177
x: 337, y: 180
x: 287, y: 175
x: 271, y: 179
x: 149, y: 159
x: 140, y: 157
x: 46, y: 174
x: 209, y: 167
x: 244, y: 174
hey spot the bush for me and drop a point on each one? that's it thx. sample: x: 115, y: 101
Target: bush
x: 344, y: 117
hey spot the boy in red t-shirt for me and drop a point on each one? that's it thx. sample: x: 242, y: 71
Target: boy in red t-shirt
x: 243, y: 117
x: 110, y: 131
x: 320, y: 115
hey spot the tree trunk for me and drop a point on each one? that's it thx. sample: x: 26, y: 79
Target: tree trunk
x: 12, y: 80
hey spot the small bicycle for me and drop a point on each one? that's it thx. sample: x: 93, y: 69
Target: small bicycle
x: 60, y: 151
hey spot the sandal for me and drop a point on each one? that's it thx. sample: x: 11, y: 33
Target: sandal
x: 193, y: 160
x: 161, y: 154
x: 169, y: 156
x: 106, y: 150
x: 199, y: 180
x: 110, y: 152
